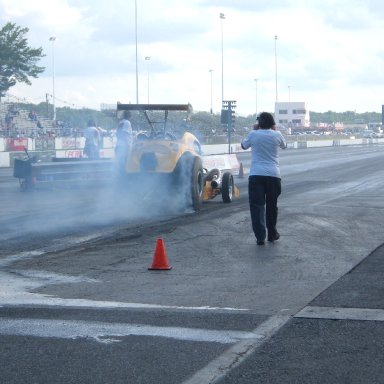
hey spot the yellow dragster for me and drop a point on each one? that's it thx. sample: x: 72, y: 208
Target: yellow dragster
x: 170, y: 160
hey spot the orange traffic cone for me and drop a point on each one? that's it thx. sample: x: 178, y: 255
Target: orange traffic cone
x: 241, y: 171
x: 160, y: 260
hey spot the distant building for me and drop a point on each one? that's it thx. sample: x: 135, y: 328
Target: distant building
x: 292, y: 114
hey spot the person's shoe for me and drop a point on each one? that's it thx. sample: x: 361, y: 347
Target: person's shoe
x: 260, y: 242
x: 274, y: 238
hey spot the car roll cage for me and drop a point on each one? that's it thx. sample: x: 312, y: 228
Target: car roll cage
x: 145, y: 108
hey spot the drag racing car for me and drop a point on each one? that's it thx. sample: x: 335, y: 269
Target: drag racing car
x: 165, y: 160
x: 170, y: 154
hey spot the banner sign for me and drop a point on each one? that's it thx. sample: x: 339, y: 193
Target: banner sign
x: 17, y: 144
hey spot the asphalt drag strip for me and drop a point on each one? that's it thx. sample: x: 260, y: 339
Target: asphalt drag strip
x: 233, y: 357
x: 118, y: 345
x: 337, y: 338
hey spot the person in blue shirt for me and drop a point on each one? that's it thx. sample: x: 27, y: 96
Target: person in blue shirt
x: 92, y: 135
x: 124, y: 141
x: 264, y: 183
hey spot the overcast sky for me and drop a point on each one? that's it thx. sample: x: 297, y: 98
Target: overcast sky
x: 329, y: 53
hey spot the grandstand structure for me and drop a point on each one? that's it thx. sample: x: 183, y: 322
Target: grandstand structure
x: 16, y: 122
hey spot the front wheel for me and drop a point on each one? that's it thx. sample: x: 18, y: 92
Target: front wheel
x: 227, y: 187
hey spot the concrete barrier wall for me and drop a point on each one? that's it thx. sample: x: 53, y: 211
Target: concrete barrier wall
x: 71, y: 147
x: 69, y: 143
x: 4, y: 159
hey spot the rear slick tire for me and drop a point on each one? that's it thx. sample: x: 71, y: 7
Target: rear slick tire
x: 197, y: 184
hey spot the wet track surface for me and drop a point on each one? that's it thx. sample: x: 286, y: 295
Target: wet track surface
x: 76, y: 291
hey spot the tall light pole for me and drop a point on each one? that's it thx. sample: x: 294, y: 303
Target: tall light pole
x: 256, y: 94
x: 53, y: 38
x: 147, y: 58
x: 289, y: 93
x: 222, y: 17
x: 137, y: 69
x: 211, y: 72
x: 276, y: 65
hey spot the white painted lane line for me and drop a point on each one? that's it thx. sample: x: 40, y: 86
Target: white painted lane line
x: 24, y: 299
x: 109, y: 332
x: 334, y: 313
x: 234, y: 356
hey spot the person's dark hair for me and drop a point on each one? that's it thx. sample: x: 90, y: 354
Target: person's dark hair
x: 91, y: 123
x: 127, y: 114
x: 266, y: 120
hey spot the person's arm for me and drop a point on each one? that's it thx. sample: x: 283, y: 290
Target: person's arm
x: 246, y: 143
x: 283, y: 142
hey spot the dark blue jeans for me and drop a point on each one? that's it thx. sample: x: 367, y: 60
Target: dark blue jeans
x: 263, y: 192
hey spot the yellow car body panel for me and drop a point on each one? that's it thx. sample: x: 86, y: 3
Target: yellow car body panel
x: 164, y: 153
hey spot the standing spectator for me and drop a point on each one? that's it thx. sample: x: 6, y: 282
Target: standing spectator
x: 41, y: 130
x: 32, y: 115
x: 8, y: 120
x: 264, y: 183
x: 12, y: 110
x: 91, y: 148
x: 124, y: 141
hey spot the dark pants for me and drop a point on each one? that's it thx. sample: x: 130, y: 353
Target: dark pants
x: 121, y: 157
x: 91, y: 151
x: 263, y: 192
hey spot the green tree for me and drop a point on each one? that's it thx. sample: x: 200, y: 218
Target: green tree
x: 18, y: 61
